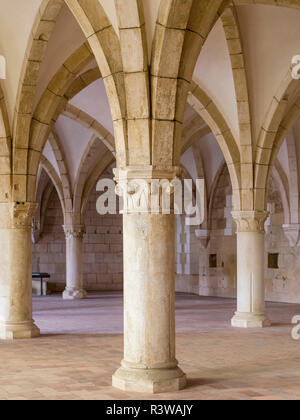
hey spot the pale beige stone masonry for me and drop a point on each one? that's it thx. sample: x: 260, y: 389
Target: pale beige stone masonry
x: 149, y: 363
x: 15, y: 271
x: 250, y: 270
x: 74, y: 262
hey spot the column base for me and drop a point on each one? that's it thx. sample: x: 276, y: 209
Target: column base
x: 72, y: 294
x: 250, y: 320
x: 151, y: 381
x: 18, y: 330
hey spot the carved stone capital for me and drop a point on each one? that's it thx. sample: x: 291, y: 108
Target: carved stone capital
x: 147, y: 172
x: 250, y: 221
x: 21, y: 214
x: 147, y: 189
x: 75, y: 231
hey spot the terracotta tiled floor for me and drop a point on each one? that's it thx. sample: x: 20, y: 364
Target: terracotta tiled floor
x: 81, y: 346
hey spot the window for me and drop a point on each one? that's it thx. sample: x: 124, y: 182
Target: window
x: 213, y: 261
x: 273, y: 261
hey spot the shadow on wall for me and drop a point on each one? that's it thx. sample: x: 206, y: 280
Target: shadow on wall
x: 103, y: 250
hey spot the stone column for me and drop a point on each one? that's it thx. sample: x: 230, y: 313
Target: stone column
x: 16, y: 271
x: 149, y: 363
x: 74, y: 262
x: 250, y: 270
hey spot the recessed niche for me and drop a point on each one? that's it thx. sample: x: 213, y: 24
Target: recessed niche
x: 213, y: 261
x: 273, y: 261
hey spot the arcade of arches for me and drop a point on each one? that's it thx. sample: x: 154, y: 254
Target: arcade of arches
x: 150, y: 89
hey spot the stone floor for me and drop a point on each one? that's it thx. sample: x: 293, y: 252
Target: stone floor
x: 81, y: 346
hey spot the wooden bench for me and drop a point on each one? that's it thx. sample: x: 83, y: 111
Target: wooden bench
x: 41, y: 276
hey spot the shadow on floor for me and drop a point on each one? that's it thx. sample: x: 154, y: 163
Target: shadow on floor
x: 195, y: 382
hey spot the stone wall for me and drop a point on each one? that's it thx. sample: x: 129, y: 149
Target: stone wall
x: 49, y: 253
x: 187, y: 258
x: 103, y: 267
x: 103, y: 251
x: 282, y: 283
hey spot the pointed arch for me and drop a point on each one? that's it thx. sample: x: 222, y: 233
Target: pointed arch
x: 54, y: 94
x: 209, y: 112
x: 49, y: 108
x: 82, y: 81
x: 106, y: 161
x: 40, y: 130
x: 106, y: 48
x: 42, y: 29
x: 283, y: 187
x: 189, y: 140
x: 201, y: 175
x: 87, y: 121
x: 46, y: 198
x: 63, y: 170
x: 285, y: 127
x: 47, y: 166
x: 182, y: 28
x: 268, y: 136
x: 293, y: 179
x: 272, y: 134
x: 191, y: 126
x: 84, y: 169
x: 195, y: 129
x: 212, y: 192
x: 44, y: 190
x: 231, y: 28
x: 5, y: 151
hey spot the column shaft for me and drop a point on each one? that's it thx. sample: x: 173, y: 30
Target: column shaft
x: 149, y: 363
x: 149, y: 291
x: 16, y: 271
x: 74, y: 263
x: 250, y: 271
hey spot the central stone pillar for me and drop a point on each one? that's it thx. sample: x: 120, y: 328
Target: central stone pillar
x: 250, y: 270
x: 149, y: 363
x: 74, y: 263
x: 16, y: 271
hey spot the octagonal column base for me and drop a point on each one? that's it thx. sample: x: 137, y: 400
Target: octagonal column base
x: 73, y: 294
x: 250, y: 320
x: 151, y: 381
x: 18, y: 330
